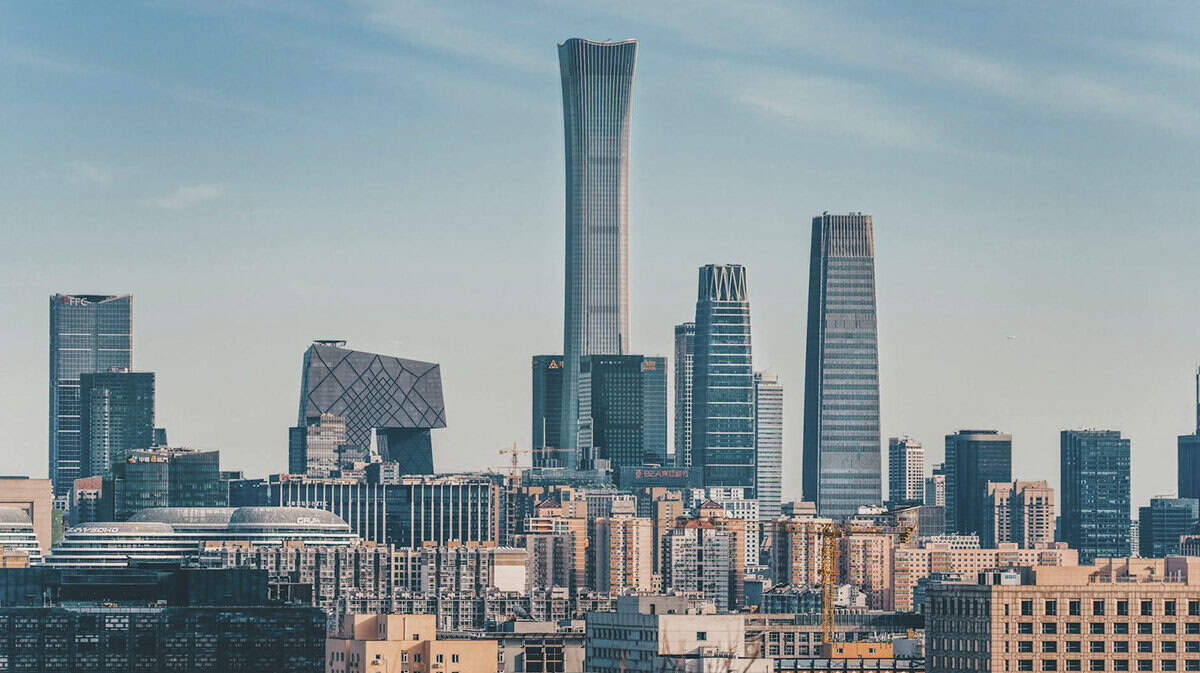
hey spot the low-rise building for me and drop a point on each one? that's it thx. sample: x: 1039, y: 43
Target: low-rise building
x: 387, y: 643
x: 1120, y: 614
x: 911, y: 565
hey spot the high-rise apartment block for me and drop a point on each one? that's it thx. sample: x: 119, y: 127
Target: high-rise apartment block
x: 768, y: 443
x: 623, y: 554
x: 597, y: 89
x: 394, y: 400
x: 547, y: 411
x: 700, y: 560
x: 841, y: 370
x: 1163, y: 523
x: 906, y: 470
x: 622, y: 411
x: 935, y: 487
x: 89, y: 333
x: 1094, y: 470
x: 116, y: 416
x: 974, y: 458
x: 1021, y: 512
x: 685, y: 348
x: 723, y: 380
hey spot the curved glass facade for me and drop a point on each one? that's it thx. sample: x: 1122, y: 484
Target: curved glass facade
x: 597, y: 86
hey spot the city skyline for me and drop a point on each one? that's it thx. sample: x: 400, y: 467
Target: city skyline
x: 189, y: 398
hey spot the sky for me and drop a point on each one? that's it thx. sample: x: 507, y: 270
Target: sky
x: 261, y: 174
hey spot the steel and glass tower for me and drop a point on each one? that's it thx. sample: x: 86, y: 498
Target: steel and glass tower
x: 685, y: 346
x: 723, y: 380
x: 597, y: 85
x: 841, y: 373
x: 1094, y: 472
x: 768, y: 442
x: 89, y: 333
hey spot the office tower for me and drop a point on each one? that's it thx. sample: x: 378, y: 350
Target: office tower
x: 685, y: 347
x: 597, y: 87
x: 654, y: 410
x: 841, y: 368
x: 622, y: 411
x: 1163, y: 523
x: 935, y: 487
x: 723, y: 379
x: 547, y: 411
x: 316, y: 450
x: 906, y: 470
x: 397, y: 400
x: 1094, y: 471
x: 1021, y: 513
x: 1135, y: 539
x: 1188, y: 467
x: 88, y: 333
x: 116, y: 415
x: 160, y: 437
x: 768, y: 442
x: 166, y: 477
x: 623, y: 557
x: 973, y: 458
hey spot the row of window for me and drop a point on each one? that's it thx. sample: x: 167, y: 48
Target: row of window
x: 1100, y: 606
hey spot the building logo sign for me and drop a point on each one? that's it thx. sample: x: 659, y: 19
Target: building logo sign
x: 67, y: 300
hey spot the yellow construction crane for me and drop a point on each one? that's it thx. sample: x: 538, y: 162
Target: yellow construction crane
x: 830, y: 535
x: 515, y: 452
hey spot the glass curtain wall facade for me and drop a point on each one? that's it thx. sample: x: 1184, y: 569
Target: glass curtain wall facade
x: 723, y: 380
x: 1188, y: 472
x: 597, y: 89
x: 89, y: 333
x: 654, y: 410
x: 547, y: 410
x: 841, y: 462
x: 685, y: 346
x: 974, y: 458
x: 117, y: 415
x: 1094, y: 469
x: 768, y: 443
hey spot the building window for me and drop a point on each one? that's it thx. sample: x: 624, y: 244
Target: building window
x: 454, y: 658
x: 1074, y: 646
x: 1024, y: 664
x: 701, y: 635
x: 1192, y: 646
x: 1096, y: 665
x: 1168, y: 665
x: 1074, y: 627
x: 1025, y: 627
x: 1147, y: 608
x: 1096, y: 646
x: 1025, y: 646
x: 1049, y: 664
x: 439, y: 658
x: 1194, y: 608
x: 1074, y: 608
x: 1050, y: 646
x: 1074, y: 665
x: 1145, y: 665
x: 1192, y: 627
x: 1120, y: 664
x: 1098, y: 608
x: 1167, y: 646
x: 1120, y: 646
x: 1168, y: 628
x: 1120, y: 627
x: 1027, y: 609
x: 1169, y: 608
x: 1191, y: 665
x: 1051, y: 608
x: 1145, y: 627
x: 1050, y: 627
x: 1145, y: 646
x: 1096, y: 628
x: 1122, y: 608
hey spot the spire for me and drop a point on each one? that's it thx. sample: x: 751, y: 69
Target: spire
x: 1198, y: 400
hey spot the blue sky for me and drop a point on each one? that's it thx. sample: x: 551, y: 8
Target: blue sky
x: 259, y: 174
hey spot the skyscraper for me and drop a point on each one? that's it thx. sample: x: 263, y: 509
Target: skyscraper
x: 1188, y: 467
x: 841, y: 371
x: 622, y: 411
x: 1021, y: 512
x: 1094, y: 469
x: 685, y: 345
x: 768, y: 443
x: 654, y: 409
x: 398, y: 401
x: 116, y: 416
x: 547, y: 410
x: 723, y: 380
x: 906, y: 470
x: 88, y: 333
x: 935, y: 487
x: 1162, y: 524
x: 973, y: 458
x: 597, y: 86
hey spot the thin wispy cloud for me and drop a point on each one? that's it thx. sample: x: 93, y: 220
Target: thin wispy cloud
x: 85, y: 173
x: 186, y: 197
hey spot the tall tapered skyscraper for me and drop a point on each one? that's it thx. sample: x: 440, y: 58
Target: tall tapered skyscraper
x: 685, y: 346
x: 89, y: 333
x: 723, y: 380
x: 841, y: 371
x: 597, y: 85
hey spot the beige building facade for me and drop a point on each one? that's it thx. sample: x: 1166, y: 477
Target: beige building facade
x: 36, y: 498
x: 388, y: 643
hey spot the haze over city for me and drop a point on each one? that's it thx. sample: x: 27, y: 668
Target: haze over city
x: 391, y: 174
